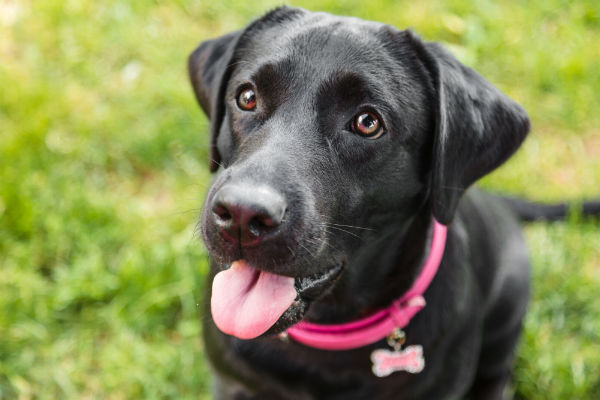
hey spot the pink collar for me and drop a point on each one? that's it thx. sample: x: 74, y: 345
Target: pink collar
x: 377, y: 326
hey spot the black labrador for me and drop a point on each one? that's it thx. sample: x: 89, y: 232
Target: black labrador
x: 338, y: 141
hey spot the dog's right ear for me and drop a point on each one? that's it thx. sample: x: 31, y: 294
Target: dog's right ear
x: 209, y: 67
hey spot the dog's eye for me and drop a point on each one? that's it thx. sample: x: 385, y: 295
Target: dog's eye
x: 367, y: 124
x: 246, y: 100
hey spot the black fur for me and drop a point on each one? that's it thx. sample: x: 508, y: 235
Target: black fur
x: 365, y: 204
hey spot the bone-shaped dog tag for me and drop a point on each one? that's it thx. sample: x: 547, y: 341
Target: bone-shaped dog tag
x: 409, y: 359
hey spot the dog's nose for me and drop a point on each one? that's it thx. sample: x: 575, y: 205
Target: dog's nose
x: 248, y: 215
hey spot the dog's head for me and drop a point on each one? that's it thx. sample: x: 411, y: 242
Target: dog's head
x: 331, y: 134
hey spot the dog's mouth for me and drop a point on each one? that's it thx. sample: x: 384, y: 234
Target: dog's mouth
x: 247, y: 302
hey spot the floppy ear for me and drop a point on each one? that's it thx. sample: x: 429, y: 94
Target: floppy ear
x: 477, y: 128
x: 209, y: 67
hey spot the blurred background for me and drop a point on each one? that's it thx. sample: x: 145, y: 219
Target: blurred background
x: 103, y: 168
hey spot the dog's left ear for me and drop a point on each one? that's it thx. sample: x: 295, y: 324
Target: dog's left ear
x: 209, y: 67
x: 477, y: 127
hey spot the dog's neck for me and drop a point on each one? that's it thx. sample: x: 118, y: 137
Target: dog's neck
x: 378, y: 273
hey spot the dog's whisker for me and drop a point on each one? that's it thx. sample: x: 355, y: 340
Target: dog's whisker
x: 306, y: 249
x: 342, y: 230
x: 197, y: 233
x: 188, y: 211
x: 327, y: 229
x: 212, y: 160
x: 352, y: 226
x: 327, y: 223
x: 291, y: 251
x: 321, y: 242
x: 333, y: 149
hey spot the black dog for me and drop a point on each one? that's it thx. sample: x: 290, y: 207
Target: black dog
x: 340, y: 140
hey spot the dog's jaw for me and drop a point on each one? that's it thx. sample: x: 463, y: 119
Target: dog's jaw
x: 309, y: 289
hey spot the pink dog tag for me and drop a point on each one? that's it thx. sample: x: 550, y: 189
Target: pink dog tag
x: 386, y: 362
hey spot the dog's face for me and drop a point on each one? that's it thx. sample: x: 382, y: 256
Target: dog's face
x: 331, y: 134
x: 336, y: 131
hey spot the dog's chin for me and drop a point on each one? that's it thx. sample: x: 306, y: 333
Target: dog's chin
x: 309, y: 289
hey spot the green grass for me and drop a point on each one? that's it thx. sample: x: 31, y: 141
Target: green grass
x: 103, y: 170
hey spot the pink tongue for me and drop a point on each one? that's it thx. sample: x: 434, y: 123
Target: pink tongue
x: 246, y: 302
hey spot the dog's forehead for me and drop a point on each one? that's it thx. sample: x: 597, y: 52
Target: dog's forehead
x: 318, y: 43
x: 316, y: 59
